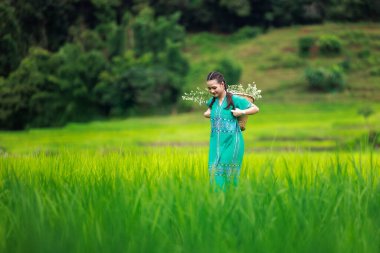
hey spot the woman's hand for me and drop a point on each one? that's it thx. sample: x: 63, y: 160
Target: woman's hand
x: 237, y: 112
x: 251, y: 110
x: 207, y: 113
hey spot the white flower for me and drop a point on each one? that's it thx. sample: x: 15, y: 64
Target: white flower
x: 251, y: 90
x: 200, y: 96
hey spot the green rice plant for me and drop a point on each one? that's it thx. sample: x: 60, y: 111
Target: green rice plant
x: 160, y: 201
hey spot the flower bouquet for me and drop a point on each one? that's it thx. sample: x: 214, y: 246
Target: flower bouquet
x: 251, y: 93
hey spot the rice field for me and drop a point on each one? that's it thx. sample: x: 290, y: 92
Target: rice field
x: 317, y: 126
x: 129, y: 201
x: 103, y: 187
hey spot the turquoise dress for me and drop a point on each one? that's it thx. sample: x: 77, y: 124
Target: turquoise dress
x: 226, y: 142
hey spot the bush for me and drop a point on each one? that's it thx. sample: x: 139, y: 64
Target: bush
x: 305, y: 44
x: 230, y: 70
x: 325, y: 79
x: 247, y: 32
x: 329, y: 45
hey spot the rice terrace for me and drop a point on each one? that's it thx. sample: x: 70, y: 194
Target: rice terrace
x: 110, y: 179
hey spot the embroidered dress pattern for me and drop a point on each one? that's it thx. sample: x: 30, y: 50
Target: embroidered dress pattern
x: 226, y: 142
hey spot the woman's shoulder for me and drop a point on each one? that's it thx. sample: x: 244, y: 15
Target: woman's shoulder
x: 241, y: 101
x: 237, y: 97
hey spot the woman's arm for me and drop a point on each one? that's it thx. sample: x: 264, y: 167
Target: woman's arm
x: 251, y: 110
x: 207, y: 113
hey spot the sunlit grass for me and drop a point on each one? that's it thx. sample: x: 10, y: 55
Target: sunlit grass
x: 313, y: 126
x: 160, y: 201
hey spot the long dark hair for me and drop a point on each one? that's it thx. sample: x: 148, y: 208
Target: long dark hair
x: 214, y: 75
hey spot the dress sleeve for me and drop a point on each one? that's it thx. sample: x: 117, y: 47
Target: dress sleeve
x: 241, y: 102
x: 209, y: 102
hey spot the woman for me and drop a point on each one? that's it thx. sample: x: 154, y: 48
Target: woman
x: 226, y: 141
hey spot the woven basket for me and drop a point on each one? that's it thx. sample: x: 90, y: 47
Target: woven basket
x: 243, y: 119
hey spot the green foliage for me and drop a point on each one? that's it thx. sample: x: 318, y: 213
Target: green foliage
x: 113, y: 37
x: 77, y: 76
x: 329, y: 45
x: 111, y: 70
x: 230, y: 70
x: 353, y: 10
x: 152, y: 34
x: 105, y: 10
x: 23, y: 94
x: 242, y: 8
x: 305, y: 44
x: 11, y: 44
x: 88, y: 39
x: 51, y: 89
x: 294, y: 12
x: 247, y: 32
x: 128, y: 82
x: 325, y: 79
x: 139, y: 84
x: 150, y: 74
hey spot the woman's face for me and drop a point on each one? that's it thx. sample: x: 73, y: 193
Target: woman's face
x: 216, y: 89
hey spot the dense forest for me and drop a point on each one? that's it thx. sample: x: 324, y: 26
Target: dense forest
x: 77, y: 60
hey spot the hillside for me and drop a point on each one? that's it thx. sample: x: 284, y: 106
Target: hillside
x: 271, y: 61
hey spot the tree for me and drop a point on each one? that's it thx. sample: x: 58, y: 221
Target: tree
x: 10, y: 43
x: 19, y: 92
x: 150, y: 73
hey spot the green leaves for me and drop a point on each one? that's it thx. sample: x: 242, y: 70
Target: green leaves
x: 113, y: 70
x: 325, y: 79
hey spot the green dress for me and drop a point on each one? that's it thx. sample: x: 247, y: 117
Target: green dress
x: 226, y: 142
